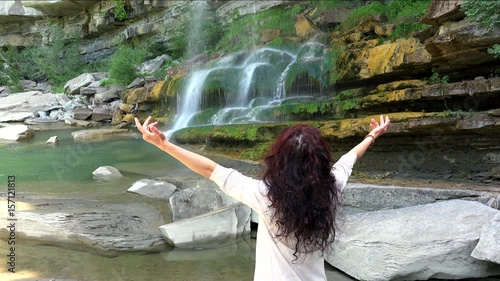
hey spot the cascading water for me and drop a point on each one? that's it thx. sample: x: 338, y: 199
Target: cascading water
x: 248, y: 87
x: 266, y: 59
x: 196, y: 44
x: 190, y: 104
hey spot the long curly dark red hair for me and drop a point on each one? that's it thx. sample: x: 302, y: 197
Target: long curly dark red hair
x: 302, y: 190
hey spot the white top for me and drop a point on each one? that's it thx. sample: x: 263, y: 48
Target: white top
x: 274, y: 259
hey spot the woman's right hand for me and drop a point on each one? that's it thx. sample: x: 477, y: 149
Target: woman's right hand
x: 378, y: 129
x: 150, y: 133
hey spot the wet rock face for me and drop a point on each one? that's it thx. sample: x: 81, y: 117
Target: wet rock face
x: 405, y: 57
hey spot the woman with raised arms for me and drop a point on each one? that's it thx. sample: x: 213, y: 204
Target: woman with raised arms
x: 296, y: 199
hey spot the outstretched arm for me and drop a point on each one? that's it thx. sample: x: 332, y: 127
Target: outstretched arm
x: 193, y: 161
x: 377, y: 130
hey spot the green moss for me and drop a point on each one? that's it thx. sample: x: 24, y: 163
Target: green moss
x: 332, y: 58
x: 318, y: 110
x: 229, y: 133
x: 284, y: 44
x: 345, y: 102
x: 204, y: 117
x: 236, y: 35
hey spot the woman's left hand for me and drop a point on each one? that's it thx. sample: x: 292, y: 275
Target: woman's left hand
x: 378, y: 129
x: 150, y: 132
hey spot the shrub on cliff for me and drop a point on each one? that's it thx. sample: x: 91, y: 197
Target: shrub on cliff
x: 123, y: 66
x: 60, y: 60
x: 486, y: 14
x: 404, y: 13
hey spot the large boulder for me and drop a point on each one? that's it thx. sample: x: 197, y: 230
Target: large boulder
x: 488, y: 248
x: 15, y: 133
x: 28, y: 102
x: 415, y: 243
x: 74, y: 85
x: 101, y: 114
x: 214, y: 227
x: 192, y: 202
x: 152, y: 66
x: 153, y: 188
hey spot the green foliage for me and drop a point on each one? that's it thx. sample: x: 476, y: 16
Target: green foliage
x: 322, y: 5
x: 119, y: 12
x: 483, y: 12
x: 237, y: 35
x: 374, y: 8
x: 397, y: 12
x: 438, y: 79
x: 406, y: 10
x: 495, y: 50
x: 124, y: 63
x: 59, y: 61
x: 17, y: 66
x: 405, y: 30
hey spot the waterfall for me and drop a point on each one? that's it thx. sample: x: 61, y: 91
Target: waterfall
x: 196, y: 40
x: 191, y: 102
x: 246, y: 82
x: 239, y: 108
x: 280, y: 92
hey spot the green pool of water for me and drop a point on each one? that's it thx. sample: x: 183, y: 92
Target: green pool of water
x: 65, y: 170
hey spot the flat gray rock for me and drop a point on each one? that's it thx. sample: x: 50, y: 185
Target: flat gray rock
x: 101, y: 228
x: 153, y: 188
x: 15, y: 133
x: 99, y: 134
